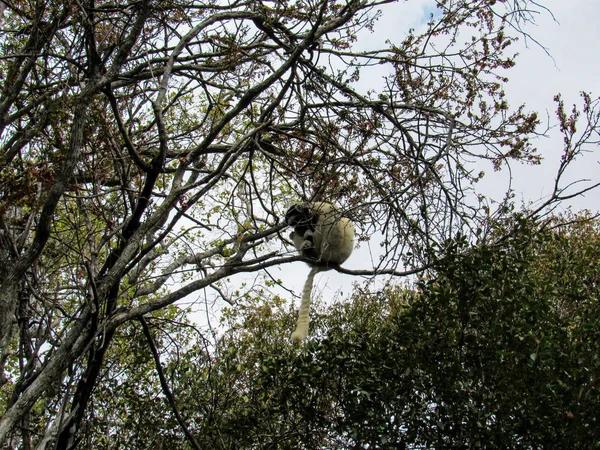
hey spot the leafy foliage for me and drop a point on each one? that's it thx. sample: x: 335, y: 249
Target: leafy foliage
x: 493, y: 349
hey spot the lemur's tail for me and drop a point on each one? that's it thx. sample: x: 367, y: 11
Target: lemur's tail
x: 304, y: 314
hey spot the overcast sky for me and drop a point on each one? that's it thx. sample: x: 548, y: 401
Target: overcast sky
x: 569, y: 64
x: 571, y: 38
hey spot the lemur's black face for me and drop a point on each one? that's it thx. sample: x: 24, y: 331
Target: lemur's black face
x: 304, y: 223
x: 299, y: 215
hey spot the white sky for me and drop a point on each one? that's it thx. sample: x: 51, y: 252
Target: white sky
x: 572, y: 41
x: 570, y: 34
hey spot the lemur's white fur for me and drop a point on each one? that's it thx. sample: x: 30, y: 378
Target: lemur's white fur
x: 324, y: 236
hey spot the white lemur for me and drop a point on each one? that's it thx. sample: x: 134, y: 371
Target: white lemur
x: 322, y: 235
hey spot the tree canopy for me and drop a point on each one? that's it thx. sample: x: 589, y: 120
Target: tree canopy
x: 496, y: 348
x: 149, y: 149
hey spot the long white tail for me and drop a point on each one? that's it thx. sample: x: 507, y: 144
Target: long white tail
x: 304, y: 314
